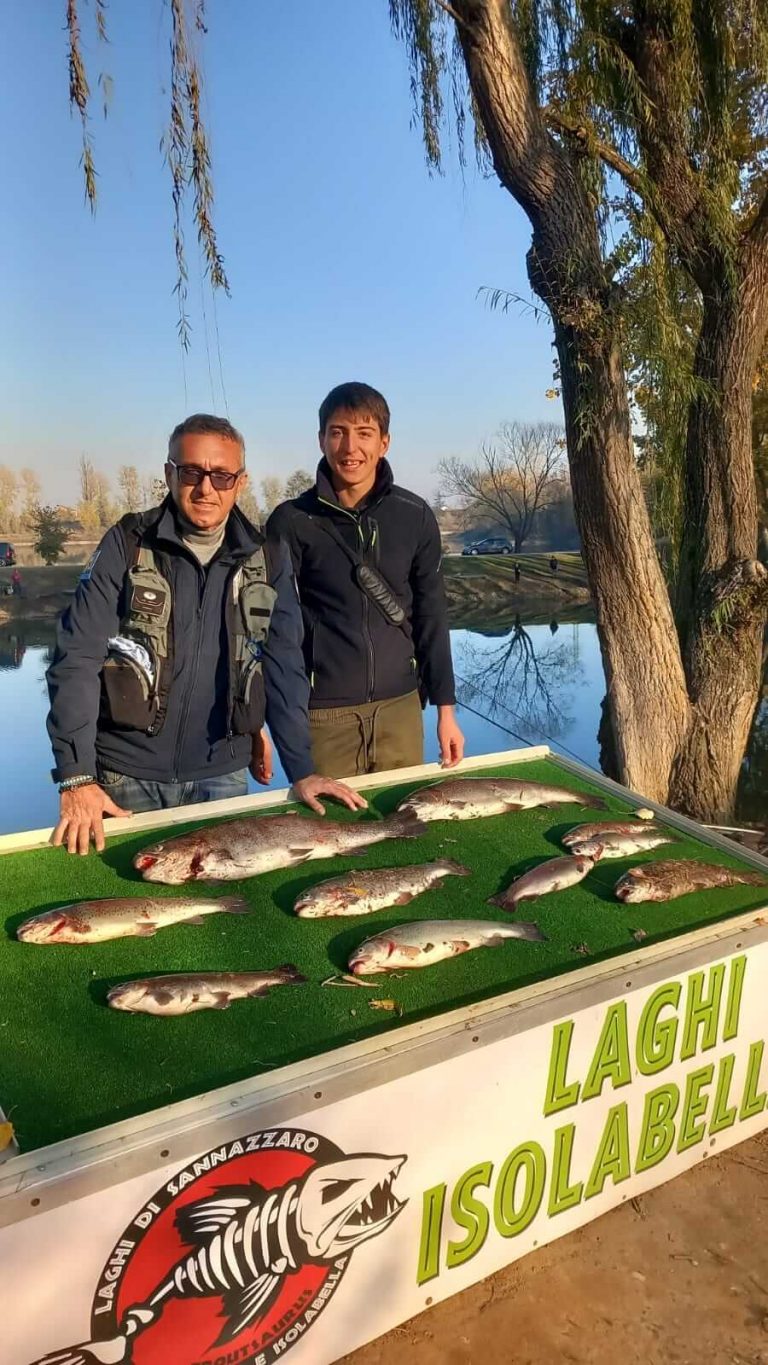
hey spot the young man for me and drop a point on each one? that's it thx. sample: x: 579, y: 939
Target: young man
x: 369, y: 671
x: 184, y: 635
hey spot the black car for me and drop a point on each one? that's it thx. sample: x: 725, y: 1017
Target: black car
x: 7, y: 554
x: 492, y: 545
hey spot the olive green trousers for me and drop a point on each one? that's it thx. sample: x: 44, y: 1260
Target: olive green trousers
x: 348, y: 741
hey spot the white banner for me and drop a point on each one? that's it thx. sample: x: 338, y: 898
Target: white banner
x: 307, y: 1240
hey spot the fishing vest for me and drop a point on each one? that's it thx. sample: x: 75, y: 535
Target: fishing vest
x: 139, y: 668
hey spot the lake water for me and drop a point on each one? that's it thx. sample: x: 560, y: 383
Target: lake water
x: 520, y: 682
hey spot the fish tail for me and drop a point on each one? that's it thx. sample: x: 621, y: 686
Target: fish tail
x: 406, y: 824
x: 449, y: 865
x: 503, y: 901
x: 754, y: 878
x: 592, y: 802
x: 291, y: 972
x: 530, y: 932
x: 236, y: 905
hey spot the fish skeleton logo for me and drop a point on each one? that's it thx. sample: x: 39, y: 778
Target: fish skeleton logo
x: 242, y: 1267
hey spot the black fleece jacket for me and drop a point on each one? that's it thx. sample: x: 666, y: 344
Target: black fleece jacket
x: 352, y: 653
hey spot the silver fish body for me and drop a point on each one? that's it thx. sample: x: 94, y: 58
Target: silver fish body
x: 554, y: 875
x: 362, y: 893
x: 424, y: 942
x: 665, y: 881
x: 187, y: 992
x: 615, y: 845
x: 582, y: 833
x: 133, y: 916
x: 467, y: 798
x: 256, y: 844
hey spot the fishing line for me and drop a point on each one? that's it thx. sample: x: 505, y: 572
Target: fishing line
x: 555, y: 743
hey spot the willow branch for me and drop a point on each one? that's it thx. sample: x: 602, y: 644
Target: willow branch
x: 588, y: 139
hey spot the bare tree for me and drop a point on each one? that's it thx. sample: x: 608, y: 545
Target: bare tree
x: 516, y: 681
x: 297, y: 483
x: 153, y: 490
x: 248, y: 504
x: 87, y: 473
x: 129, y: 485
x: 511, y: 480
x: 8, y: 495
x: 272, y: 492
x: 31, y: 491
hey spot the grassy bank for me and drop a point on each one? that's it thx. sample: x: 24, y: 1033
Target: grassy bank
x: 45, y: 592
x: 487, y: 582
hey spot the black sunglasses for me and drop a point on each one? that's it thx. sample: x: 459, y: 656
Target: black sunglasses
x: 192, y: 475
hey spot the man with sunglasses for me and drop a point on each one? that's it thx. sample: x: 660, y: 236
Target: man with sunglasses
x: 184, y: 636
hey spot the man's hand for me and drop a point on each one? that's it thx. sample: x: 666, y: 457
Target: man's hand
x: 81, y: 817
x: 260, y: 766
x: 309, y: 788
x: 449, y: 737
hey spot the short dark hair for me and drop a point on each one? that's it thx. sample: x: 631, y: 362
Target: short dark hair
x: 356, y: 397
x: 204, y: 424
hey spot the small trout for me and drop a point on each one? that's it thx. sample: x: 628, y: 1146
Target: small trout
x: 614, y: 845
x: 664, y: 881
x: 553, y: 875
x: 467, y: 798
x: 244, y: 848
x: 423, y: 942
x: 582, y: 833
x: 361, y: 893
x: 187, y: 992
x: 135, y: 916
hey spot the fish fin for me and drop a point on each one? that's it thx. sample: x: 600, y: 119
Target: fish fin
x: 147, y: 929
x: 244, y: 1306
x: 235, y: 905
x: 195, y: 919
x: 501, y: 901
x: 300, y: 855
x: 404, y: 898
x: 457, y: 868
x: 515, y: 805
x: 222, y: 1001
x: 197, y: 1222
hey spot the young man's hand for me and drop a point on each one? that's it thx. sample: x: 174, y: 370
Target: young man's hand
x: 81, y: 818
x: 449, y: 737
x: 307, y: 789
x: 260, y: 766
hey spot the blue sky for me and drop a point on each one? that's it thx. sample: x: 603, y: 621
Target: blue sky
x: 346, y: 260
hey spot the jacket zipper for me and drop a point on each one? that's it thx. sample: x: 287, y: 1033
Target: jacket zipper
x: 355, y: 517
x: 193, y: 677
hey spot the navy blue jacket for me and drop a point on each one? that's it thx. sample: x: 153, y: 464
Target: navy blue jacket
x: 352, y: 653
x: 192, y: 742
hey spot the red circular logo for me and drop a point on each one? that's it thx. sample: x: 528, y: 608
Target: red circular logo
x: 239, y: 1253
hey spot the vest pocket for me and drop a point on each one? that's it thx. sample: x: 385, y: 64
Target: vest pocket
x: 127, y: 699
x: 250, y: 705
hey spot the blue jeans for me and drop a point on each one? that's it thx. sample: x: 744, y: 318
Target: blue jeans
x: 134, y: 794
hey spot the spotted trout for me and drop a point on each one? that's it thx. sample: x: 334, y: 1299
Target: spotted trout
x: 133, y: 916
x: 467, y: 798
x: 426, y: 941
x: 612, y: 844
x: 360, y: 893
x: 187, y: 992
x: 255, y: 844
x: 554, y: 875
x: 582, y: 833
x: 664, y: 881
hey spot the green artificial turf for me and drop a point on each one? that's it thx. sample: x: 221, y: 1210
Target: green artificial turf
x: 70, y: 1064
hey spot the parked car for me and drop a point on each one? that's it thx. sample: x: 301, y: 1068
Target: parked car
x: 492, y: 545
x: 7, y: 554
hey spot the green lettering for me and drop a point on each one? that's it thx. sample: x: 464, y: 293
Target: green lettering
x: 722, y: 1116
x: 694, y: 1105
x: 702, y: 1011
x: 611, y: 1059
x: 509, y: 1217
x: 431, y: 1226
x: 563, y: 1196
x: 733, y: 1003
x: 656, y: 1037
x: 753, y: 1102
x: 559, y: 1095
x: 612, y: 1157
x: 657, y: 1130
x: 470, y: 1214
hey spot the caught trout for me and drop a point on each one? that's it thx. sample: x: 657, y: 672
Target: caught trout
x: 554, y: 875
x: 615, y: 845
x: 423, y: 942
x: 665, y: 881
x: 135, y: 916
x: 360, y: 893
x: 255, y: 844
x: 582, y: 833
x: 467, y: 798
x: 187, y: 992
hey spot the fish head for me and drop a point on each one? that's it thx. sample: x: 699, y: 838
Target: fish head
x: 127, y: 996
x: 345, y: 1202
x: 371, y: 956
x: 591, y: 849
x: 177, y: 861
x: 54, y: 926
